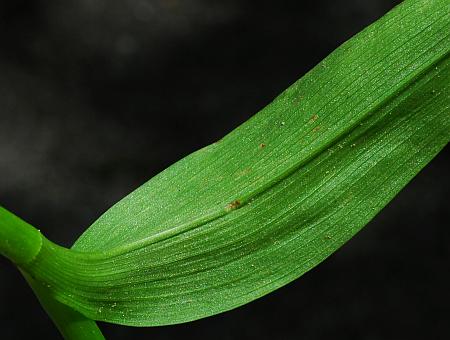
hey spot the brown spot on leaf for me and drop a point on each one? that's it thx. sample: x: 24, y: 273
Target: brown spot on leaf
x: 313, y: 118
x: 233, y: 205
x: 262, y: 146
x: 317, y: 128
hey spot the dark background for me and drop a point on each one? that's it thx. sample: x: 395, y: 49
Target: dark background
x: 98, y: 96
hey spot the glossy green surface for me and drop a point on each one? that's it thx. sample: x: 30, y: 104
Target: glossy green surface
x: 19, y: 241
x: 271, y: 200
x: 71, y: 324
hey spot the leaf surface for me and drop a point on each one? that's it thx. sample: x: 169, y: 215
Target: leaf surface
x: 275, y: 197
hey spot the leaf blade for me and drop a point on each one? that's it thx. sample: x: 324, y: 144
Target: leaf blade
x: 307, y: 192
x: 190, y: 175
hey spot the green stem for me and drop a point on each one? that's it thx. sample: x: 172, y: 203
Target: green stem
x: 19, y: 241
x: 71, y: 324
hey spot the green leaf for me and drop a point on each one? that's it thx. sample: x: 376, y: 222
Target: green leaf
x: 271, y: 200
x: 71, y: 324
